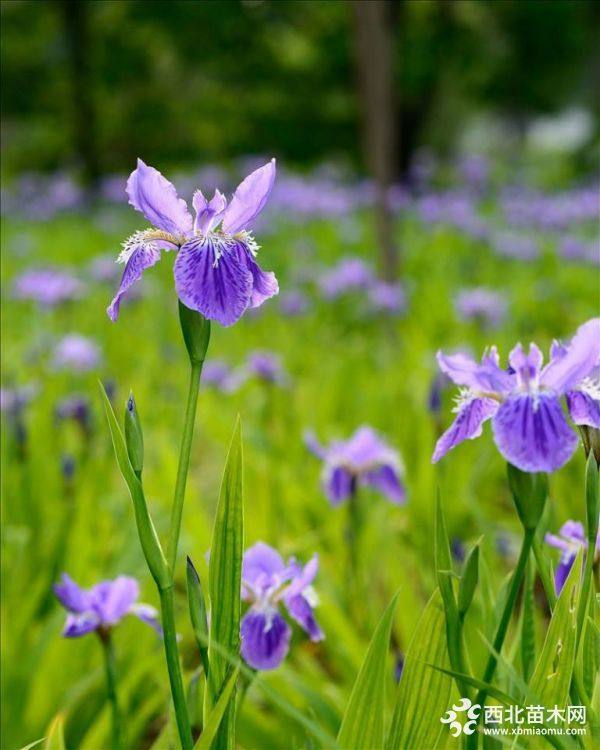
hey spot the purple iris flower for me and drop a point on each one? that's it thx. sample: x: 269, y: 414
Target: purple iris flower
x: 387, y: 298
x: 267, y: 367
x: 75, y: 352
x: 569, y: 540
x: 215, y: 270
x: 524, y: 402
x: 481, y: 304
x: 294, y: 303
x: 102, y: 606
x: 363, y: 460
x: 266, y: 582
x: 48, y: 286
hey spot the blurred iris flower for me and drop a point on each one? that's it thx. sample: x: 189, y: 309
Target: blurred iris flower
x: 363, y: 460
x: 524, y: 401
x: 102, y: 606
x: 215, y: 270
x: 569, y: 540
x: 268, y: 582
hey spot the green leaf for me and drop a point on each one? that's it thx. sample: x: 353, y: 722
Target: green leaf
x: 468, y: 581
x: 198, y: 612
x: 423, y: 693
x: 362, y: 725
x: 591, y: 649
x: 55, y: 738
x: 225, y: 583
x: 528, y: 622
x: 146, y: 532
x: 32, y: 744
x: 475, y: 682
x: 216, y: 715
x: 552, y: 676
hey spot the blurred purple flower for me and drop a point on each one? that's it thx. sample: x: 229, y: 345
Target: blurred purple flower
x: 266, y: 366
x: 570, y: 539
x: 293, y: 303
x: 14, y: 400
x: 104, y: 269
x: 474, y: 169
x: 363, y: 460
x: 77, y: 353
x: 349, y: 275
x: 386, y: 298
x: 48, y: 286
x: 266, y: 582
x: 77, y: 408
x: 524, y: 403
x: 215, y: 270
x: 219, y: 375
x: 481, y: 304
x: 102, y: 606
x: 517, y: 246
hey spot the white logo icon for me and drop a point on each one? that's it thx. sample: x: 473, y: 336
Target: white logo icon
x: 466, y: 724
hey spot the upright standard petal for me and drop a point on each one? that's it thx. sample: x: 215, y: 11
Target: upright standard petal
x: 249, y: 199
x: 155, y: 197
x: 568, y: 368
x: 262, y: 566
x: 467, y: 425
x: 532, y: 433
x: 482, y: 377
x: 211, y: 278
x: 116, y: 599
x: 265, y: 639
x: 72, y: 596
x: 386, y: 479
x: 143, y: 257
x: 208, y: 213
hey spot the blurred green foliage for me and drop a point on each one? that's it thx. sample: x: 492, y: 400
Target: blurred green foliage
x: 180, y: 80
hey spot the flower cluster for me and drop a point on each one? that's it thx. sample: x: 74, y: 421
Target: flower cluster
x: 524, y: 401
x: 215, y: 271
x: 268, y: 581
x: 363, y: 460
x: 103, y: 606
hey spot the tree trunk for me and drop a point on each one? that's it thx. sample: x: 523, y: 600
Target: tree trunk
x: 75, y: 15
x: 374, y: 51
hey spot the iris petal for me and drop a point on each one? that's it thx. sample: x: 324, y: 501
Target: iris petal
x: 583, y: 409
x: 212, y: 278
x: 532, y: 433
x: 387, y: 480
x: 301, y: 611
x: 249, y: 199
x: 338, y: 483
x: 569, y: 367
x: 143, y: 257
x: 265, y: 639
x: 155, y: 197
x: 467, y: 425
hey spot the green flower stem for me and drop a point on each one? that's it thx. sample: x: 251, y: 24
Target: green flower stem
x: 184, y: 462
x: 175, y: 679
x: 111, y: 687
x: 515, y: 585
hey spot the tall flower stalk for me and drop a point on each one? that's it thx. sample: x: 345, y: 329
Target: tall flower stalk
x: 216, y: 278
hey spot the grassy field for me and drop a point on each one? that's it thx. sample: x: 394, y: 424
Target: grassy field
x: 345, y: 367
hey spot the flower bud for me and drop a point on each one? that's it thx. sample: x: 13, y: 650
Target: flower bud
x: 134, y: 438
x: 196, y: 333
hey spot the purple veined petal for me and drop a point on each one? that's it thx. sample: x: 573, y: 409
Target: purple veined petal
x: 80, y: 624
x: 218, y: 287
x: 264, y: 283
x: 301, y: 611
x: 208, y: 213
x: 486, y: 376
x: 249, y: 199
x: 262, y: 566
x: 143, y: 257
x: 565, y: 371
x: 562, y: 573
x: 147, y: 614
x: 467, y: 425
x: 532, y: 433
x: 155, y: 197
x: 72, y: 596
x: 386, y: 479
x: 265, y: 639
x: 338, y: 483
x: 583, y: 409
x: 113, y: 599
